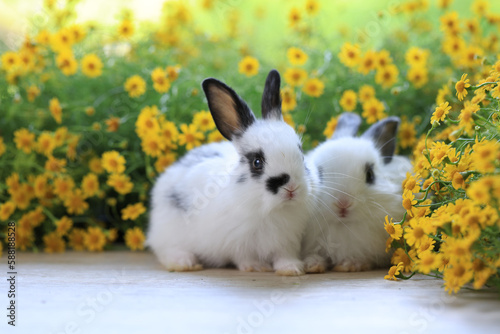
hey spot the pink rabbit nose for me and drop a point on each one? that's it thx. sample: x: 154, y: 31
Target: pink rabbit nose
x: 343, y: 204
x: 291, y: 190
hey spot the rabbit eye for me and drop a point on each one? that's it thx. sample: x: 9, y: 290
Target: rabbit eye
x: 257, y: 163
x: 370, y: 174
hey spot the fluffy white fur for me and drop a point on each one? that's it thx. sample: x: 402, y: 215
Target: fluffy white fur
x: 219, y: 221
x: 353, y: 238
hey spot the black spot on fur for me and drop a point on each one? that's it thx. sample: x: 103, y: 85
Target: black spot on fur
x: 178, y: 201
x: 370, y: 174
x: 242, y: 179
x: 320, y: 174
x: 273, y: 184
x: 251, y: 158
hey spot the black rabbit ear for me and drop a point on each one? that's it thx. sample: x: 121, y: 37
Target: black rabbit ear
x: 231, y: 114
x: 383, y: 134
x: 347, y: 125
x: 271, y: 98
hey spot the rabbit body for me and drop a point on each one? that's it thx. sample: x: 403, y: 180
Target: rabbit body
x: 358, y: 184
x: 241, y: 202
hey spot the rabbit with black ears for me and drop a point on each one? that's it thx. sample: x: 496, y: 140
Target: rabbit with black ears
x: 358, y: 183
x: 240, y: 202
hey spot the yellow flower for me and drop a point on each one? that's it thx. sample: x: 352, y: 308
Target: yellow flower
x: 373, y: 110
x: 288, y: 101
x: 330, y: 127
x: 147, y: 121
x: 121, y: 183
x: 132, y: 211
x: 95, y: 165
x: 126, y: 29
x: 134, y: 239
x: 204, y: 121
x: 169, y: 133
x: 428, y: 262
x: 6, y: 210
x: 438, y: 152
x: 90, y: 111
x: 394, y: 230
x: 417, y: 231
x: 90, y: 185
x: 62, y: 41
x: 481, y: 273
x: 387, y: 76
x: 55, y: 109
x: 55, y: 165
x: 348, y: 100
x: 10, y: 60
x: 461, y: 87
x: 160, y: 81
x: 294, y: 17
x: 295, y: 76
x: 350, y: 54
x: 173, y: 72
x: 456, y: 276
x: 152, y: 144
x: 76, y: 239
x: 289, y: 119
x: 75, y: 202
x: 471, y: 56
x: 113, y: 124
x: 440, y: 112
x: 383, y: 59
x: 92, y: 65
x: 368, y: 62
x: 63, y: 225
x: 248, y: 66
x: 407, y: 259
x: 78, y: 32
x: 417, y: 57
x: 418, y: 76
x: 190, y: 136
x: 366, y: 93
x: 135, y: 86
x: 486, y: 154
x: 66, y: 62
x: 24, y: 139
x: 313, y: 87
x: 113, y: 162
x: 394, y: 271
x: 409, y: 201
x: 296, y: 56
x: 312, y: 7
x: 46, y: 143
x: 164, y: 161
x: 2, y: 147
x: 450, y: 23
x: 32, y: 92
x: 53, y: 243
x: 94, y: 239
x: 465, y: 117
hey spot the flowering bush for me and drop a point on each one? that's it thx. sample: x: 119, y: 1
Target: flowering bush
x: 92, y: 114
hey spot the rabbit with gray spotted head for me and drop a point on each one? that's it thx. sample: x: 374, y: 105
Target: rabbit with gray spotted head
x: 240, y: 202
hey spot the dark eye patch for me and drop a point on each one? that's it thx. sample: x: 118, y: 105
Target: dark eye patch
x: 370, y: 174
x: 256, y: 161
x: 273, y: 184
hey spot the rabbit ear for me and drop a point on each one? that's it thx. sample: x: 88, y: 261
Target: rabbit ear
x: 383, y: 134
x: 271, y: 98
x: 347, y: 125
x: 231, y: 114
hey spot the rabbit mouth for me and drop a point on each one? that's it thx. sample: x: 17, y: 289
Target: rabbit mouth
x: 291, y: 193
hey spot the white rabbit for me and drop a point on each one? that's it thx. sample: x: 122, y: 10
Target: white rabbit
x: 358, y: 183
x: 241, y: 202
